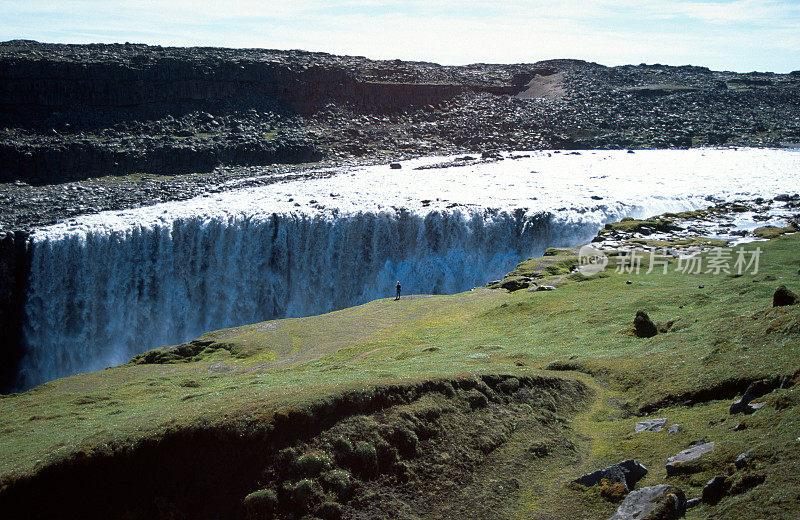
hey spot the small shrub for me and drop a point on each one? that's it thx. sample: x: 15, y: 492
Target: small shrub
x: 330, y: 511
x: 386, y: 453
x: 510, y: 385
x: 476, y: 399
x: 343, y: 448
x: 403, y: 472
x: 303, y: 494
x: 612, y: 491
x: 405, y: 440
x: 312, y: 463
x: 338, y: 481
x: 365, y: 459
x: 260, y: 504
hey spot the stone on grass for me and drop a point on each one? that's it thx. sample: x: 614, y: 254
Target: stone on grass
x: 627, y: 472
x: 676, y: 462
x: 784, y: 296
x: 515, y: 283
x: 741, y: 460
x: 673, y: 429
x: 715, y: 489
x: 545, y: 288
x: 650, y: 425
x: 756, y: 389
x: 643, y: 326
x: 664, y: 502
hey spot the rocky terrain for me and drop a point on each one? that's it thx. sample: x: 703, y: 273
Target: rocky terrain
x: 202, y: 116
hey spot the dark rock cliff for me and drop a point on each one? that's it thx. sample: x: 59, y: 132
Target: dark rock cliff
x: 14, y: 266
x: 71, y: 112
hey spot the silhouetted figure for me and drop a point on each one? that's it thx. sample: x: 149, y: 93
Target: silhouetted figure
x: 398, y: 290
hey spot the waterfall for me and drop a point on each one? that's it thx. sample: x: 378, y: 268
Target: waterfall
x: 103, y: 288
x: 99, y: 296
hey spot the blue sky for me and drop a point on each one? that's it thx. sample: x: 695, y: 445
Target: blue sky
x: 740, y: 35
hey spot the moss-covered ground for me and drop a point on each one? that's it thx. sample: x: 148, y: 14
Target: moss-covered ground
x: 723, y: 334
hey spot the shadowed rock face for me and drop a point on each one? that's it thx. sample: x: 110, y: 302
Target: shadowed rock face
x: 643, y: 326
x: 628, y: 472
x: 14, y: 267
x: 784, y: 296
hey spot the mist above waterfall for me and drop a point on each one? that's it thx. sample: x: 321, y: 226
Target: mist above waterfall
x: 105, y: 287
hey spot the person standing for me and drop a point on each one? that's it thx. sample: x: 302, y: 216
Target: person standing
x: 398, y: 290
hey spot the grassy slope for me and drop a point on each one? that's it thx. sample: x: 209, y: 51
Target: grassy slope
x: 725, y: 332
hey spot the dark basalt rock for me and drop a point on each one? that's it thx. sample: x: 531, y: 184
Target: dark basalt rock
x: 643, y: 326
x: 784, y: 296
x: 715, y: 489
x: 627, y: 472
x: 14, y: 267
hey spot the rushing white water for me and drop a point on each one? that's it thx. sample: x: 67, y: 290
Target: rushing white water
x: 105, y: 287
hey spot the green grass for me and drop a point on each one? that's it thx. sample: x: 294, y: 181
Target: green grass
x: 723, y: 333
x: 772, y: 231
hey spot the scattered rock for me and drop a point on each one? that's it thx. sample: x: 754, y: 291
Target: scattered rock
x: 699, y: 442
x: 715, y: 489
x: 478, y: 355
x: 741, y: 460
x: 395, y: 166
x: 628, y: 472
x: 676, y: 462
x: 784, y: 296
x: 545, y: 288
x: 664, y: 502
x: 515, y: 283
x: 643, y: 326
x: 673, y: 429
x: 650, y: 425
x: 693, y: 503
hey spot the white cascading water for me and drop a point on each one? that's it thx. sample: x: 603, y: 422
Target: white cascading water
x: 105, y: 287
x: 97, y: 299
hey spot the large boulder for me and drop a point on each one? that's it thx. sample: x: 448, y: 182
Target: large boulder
x: 662, y: 502
x: 756, y: 389
x: 784, y: 296
x: 627, y: 472
x: 643, y: 326
x: 676, y: 463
